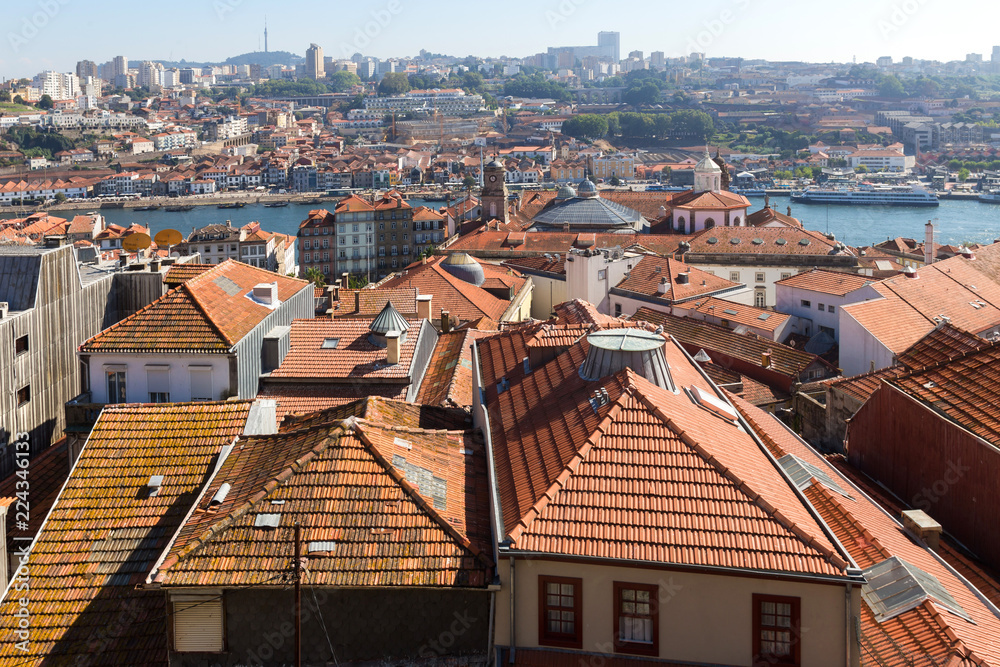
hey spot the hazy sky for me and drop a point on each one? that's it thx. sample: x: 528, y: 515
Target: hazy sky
x: 55, y: 34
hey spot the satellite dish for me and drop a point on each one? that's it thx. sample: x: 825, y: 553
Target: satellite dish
x: 168, y: 237
x: 136, y: 242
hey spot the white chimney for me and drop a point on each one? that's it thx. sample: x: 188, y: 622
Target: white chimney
x: 424, y: 306
x: 664, y: 286
x: 392, y: 347
x: 4, y: 309
x: 928, y: 243
x: 266, y: 293
x: 924, y: 527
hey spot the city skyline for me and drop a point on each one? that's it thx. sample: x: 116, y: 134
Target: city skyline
x: 45, y: 36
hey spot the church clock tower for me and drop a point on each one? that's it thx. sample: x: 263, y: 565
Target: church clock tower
x: 493, y: 199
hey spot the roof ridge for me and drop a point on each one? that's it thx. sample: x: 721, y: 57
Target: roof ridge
x: 416, y: 497
x: 283, y: 476
x: 809, y: 540
x: 571, y: 467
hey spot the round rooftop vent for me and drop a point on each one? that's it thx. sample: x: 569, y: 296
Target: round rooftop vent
x: 781, y: 242
x: 803, y: 242
x: 735, y: 240
x: 465, y: 268
x: 758, y: 241
x: 712, y: 240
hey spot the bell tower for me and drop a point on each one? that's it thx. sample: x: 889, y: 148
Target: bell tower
x: 493, y: 200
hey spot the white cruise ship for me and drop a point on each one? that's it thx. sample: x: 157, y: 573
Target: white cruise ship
x: 869, y: 195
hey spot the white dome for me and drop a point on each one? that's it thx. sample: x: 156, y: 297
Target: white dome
x: 707, y: 166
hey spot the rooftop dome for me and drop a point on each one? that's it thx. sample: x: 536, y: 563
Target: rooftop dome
x: 465, y: 268
x: 566, y: 192
x: 496, y: 164
x: 613, y: 350
x: 586, y: 188
x: 707, y: 165
x: 387, y: 320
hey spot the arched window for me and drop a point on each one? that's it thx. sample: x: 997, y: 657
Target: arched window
x: 680, y: 224
x: 709, y: 223
x: 736, y: 221
x: 493, y: 209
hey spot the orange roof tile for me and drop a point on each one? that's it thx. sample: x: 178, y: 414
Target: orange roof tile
x: 370, y: 302
x: 105, y: 531
x: 181, y: 273
x: 448, y: 379
x: 645, y: 277
x: 837, y: 283
x: 392, y: 507
x: 757, y: 318
x: 209, y: 312
x: 685, y: 486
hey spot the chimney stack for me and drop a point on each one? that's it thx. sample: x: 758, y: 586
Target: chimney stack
x: 664, y: 286
x: 924, y: 527
x: 684, y: 278
x: 424, y: 309
x: 445, y: 321
x: 928, y: 243
x: 392, y: 347
x: 4, y: 309
x: 765, y: 359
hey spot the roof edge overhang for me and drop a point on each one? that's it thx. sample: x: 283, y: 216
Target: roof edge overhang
x: 805, y: 577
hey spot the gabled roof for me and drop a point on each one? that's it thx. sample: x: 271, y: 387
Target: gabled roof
x: 929, y: 630
x: 448, y: 379
x: 738, y: 313
x: 461, y: 299
x: 746, y: 347
x: 313, y: 355
x: 302, y: 399
x: 645, y: 277
x: 761, y: 241
x: 209, y: 312
x: 181, y: 273
x: 835, y: 283
x: 105, y: 531
x: 579, y: 311
x: 618, y: 480
x: 369, y: 302
x: 379, y: 506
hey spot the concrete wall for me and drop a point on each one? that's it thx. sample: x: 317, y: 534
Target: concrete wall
x: 390, y: 626
x: 591, y: 277
x: 860, y: 351
x: 179, y: 370
x: 789, y: 300
x: 546, y: 293
x: 704, y: 618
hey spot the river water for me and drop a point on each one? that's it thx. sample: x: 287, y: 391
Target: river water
x: 954, y: 221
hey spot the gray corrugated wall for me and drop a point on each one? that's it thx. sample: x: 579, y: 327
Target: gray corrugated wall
x: 300, y: 306
x: 421, y: 357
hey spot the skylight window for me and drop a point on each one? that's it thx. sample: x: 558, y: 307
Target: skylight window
x: 895, y: 586
x: 802, y: 474
x: 330, y: 343
x: 267, y: 520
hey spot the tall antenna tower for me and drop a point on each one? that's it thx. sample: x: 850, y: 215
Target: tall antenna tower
x: 265, y: 33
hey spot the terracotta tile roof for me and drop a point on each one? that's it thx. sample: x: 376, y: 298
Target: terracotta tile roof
x: 837, y: 283
x: 684, y: 485
x: 512, y: 244
x: 47, y: 472
x: 760, y: 395
x: 104, y: 533
x: 448, y: 379
x: 966, y: 389
x: 721, y: 200
x: 645, y: 277
x: 928, y: 631
x: 768, y: 215
x: 462, y: 300
x: 181, y: 273
x: 758, y: 318
x: 965, y: 291
x: 724, y: 342
x: 539, y: 264
x: 354, y: 356
x: 302, y: 399
x: 370, y: 302
x: 207, y: 313
x: 773, y: 241
x: 401, y: 507
x: 579, y: 311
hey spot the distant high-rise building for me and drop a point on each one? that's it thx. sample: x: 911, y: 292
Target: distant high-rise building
x: 638, y: 55
x: 119, y: 66
x: 884, y: 61
x: 612, y: 42
x: 657, y: 60
x: 314, y: 62
x: 907, y: 61
x: 86, y: 68
x: 996, y: 54
x: 973, y: 57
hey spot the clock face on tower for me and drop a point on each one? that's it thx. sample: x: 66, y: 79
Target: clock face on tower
x: 493, y: 178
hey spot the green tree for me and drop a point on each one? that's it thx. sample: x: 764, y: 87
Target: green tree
x: 472, y: 81
x: 963, y: 175
x: 615, y: 181
x: 45, y: 102
x: 315, y: 276
x: 891, y: 86
x: 343, y: 80
x: 646, y: 94
x: 4, y: 96
x: 60, y: 197
x: 468, y: 181
x: 861, y: 169
x: 585, y: 126
x: 393, y: 83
